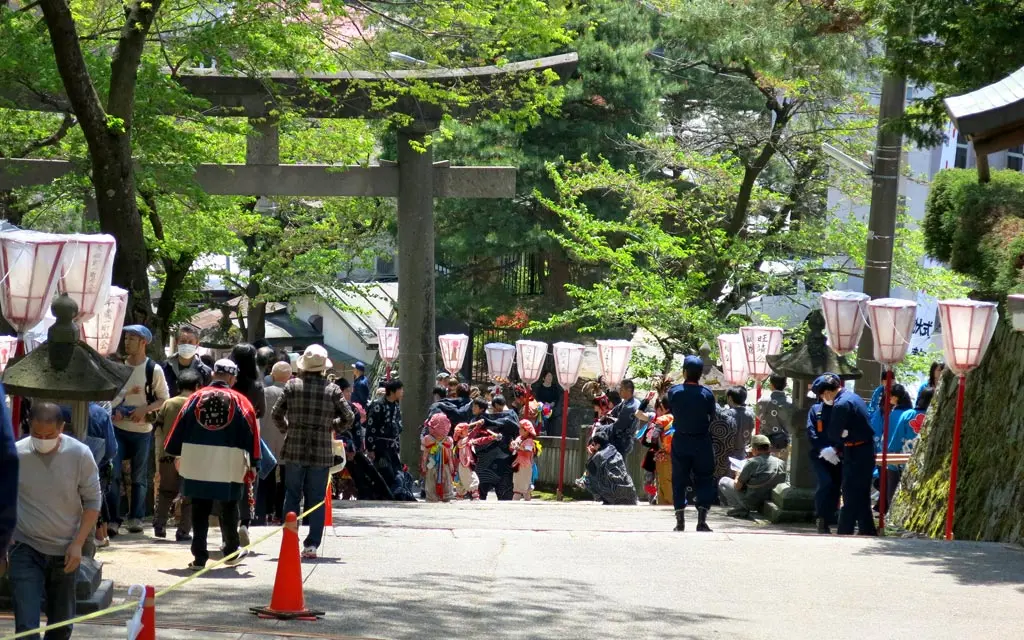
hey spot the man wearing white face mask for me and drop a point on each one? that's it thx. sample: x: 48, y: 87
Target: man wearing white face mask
x: 58, y: 504
x: 185, y: 358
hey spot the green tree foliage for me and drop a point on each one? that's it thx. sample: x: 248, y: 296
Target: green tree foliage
x: 978, y: 228
x: 950, y: 47
x: 614, y: 95
x: 728, y: 201
x: 110, y: 69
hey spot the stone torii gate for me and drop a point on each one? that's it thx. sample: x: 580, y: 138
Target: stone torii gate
x: 415, y: 180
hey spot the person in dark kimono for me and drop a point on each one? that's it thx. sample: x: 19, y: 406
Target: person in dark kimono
x: 620, y: 432
x: 549, y: 394
x: 494, y: 460
x: 736, y: 399
x: 607, y: 477
x: 383, y: 433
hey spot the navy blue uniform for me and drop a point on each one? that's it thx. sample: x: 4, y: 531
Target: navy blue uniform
x: 850, y: 423
x: 829, y: 476
x: 693, y: 408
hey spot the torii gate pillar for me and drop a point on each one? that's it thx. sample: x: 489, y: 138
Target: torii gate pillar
x: 417, y: 354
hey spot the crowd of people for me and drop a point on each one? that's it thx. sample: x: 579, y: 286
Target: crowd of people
x: 253, y: 436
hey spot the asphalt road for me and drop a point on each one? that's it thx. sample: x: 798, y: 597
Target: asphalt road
x: 543, y: 570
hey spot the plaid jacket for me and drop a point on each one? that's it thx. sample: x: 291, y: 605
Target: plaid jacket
x: 309, y: 412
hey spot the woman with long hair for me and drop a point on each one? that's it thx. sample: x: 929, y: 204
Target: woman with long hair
x: 248, y: 382
x: 934, y: 375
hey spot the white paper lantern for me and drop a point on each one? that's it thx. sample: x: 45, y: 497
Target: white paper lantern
x: 844, y: 319
x: 30, y: 265
x: 734, y: 358
x: 453, y: 350
x: 530, y: 356
x: 499, y: 360
x: 892, y: 323
x: 387, y: 343
x: 568, y: 361
x: 102, y: 331
x: 759, y: 343
x: 1015, y: 304
x: 37, y: 335
x: 7, y: 346
x: 967, y: 328
x: 88, y: 267
x: 614, y: 357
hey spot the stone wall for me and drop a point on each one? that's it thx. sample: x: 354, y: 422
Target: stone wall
x: 990, y: 489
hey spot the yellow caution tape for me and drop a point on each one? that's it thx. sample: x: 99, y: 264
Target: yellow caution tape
x: 180, y: 583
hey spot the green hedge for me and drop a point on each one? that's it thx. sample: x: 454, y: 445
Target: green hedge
x: 978, y: 229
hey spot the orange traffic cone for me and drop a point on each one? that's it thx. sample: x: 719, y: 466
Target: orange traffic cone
x: 287, y: 601
x: 328, y: 510
x: 148, y: 631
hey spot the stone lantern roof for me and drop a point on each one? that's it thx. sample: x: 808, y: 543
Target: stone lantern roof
x: 64, y: 367
x: 814, y: 357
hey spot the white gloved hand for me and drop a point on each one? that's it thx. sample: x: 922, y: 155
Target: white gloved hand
x: 829, y: 454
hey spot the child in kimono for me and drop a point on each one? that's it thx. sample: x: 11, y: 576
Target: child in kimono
x: 523, y: 448
x: 440, y: 460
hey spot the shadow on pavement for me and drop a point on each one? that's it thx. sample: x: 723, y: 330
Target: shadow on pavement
x: 971, y: 563
x: 443, y: 605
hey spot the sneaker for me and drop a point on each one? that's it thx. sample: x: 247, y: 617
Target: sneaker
x: 309, y: 553
x: 182, y: 537
x: 159, y: 532
x: 102, y: 542
x: 134, y: 525
x: 238, y: 558
x: 113, y: 530
x: 243, y: 536
x: 195, y: 566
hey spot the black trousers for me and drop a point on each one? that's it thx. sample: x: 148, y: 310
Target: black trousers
x: 268, y: 505
x: 201, y: 510
x: 858, y: 469
x: 503, y: 488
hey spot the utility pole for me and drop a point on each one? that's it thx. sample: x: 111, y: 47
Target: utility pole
x: 885, y: 187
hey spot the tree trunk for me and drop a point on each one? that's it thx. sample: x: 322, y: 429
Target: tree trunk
x: 558, y: 277
x: 175, y: 273
x: 108, y: 136
x: 255, y: 321
x: 990, y: 487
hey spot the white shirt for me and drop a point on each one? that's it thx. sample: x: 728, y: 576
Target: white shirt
x: 135, y: 396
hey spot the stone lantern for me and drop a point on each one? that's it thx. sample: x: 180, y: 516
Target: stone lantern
x: 793, y: 501
x: 68, y: 371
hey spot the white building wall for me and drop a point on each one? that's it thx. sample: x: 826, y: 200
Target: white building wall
x: 337, y: 334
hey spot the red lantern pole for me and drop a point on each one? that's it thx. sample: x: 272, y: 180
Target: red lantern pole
x: 19, y: 351
x: 561, y: 453
x: 757, y: 416
x: 954, y: 464
x: 884, y: 474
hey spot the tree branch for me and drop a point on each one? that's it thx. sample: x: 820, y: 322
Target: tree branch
x: 50, y: 140
x: 124, y: 68
x: 73, y: 71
